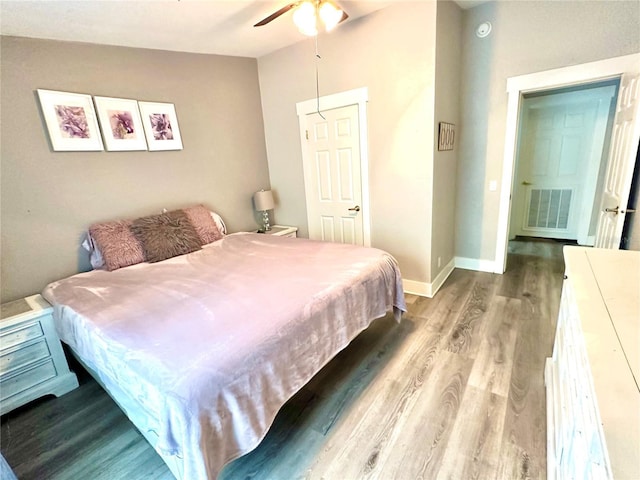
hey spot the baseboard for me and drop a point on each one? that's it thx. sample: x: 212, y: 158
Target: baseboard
x: 442, y: 277
x: 475, y: 264
x: 424, y: 289
x: 416, y: 288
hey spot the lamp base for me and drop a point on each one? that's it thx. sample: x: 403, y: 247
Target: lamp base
x: 265, y: 221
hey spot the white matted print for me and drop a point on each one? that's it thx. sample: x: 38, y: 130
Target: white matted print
x: 161, y: 126
x: 121, y: 124
x: 71, y: 121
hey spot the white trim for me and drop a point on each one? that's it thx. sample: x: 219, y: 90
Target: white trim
x: 441, y: 277
x: 516, y: 86
x: 429, y: 290
x: 336, y: 100
x: 575, y: 74
x: 360, y: 97
x: 476, y: 264
x: 414, y: 287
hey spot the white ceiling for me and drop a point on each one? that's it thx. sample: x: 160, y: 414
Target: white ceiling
x: 222, y: 27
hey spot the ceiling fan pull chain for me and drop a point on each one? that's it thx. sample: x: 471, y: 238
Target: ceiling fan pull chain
x: 318, y: 57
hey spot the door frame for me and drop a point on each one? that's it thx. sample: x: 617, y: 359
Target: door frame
x: 595, y: 159
x: 359, y: 97
x: 516, y: 87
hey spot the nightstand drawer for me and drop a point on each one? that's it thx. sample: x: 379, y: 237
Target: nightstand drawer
x: 32, y: 362
x: 282, y: 231
x: 22, y: 356
x: 20, y: 334
x: 24, y: 380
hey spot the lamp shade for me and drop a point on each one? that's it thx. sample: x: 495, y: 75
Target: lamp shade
x: 263, y: 200
x: 305, y: 18
x: 330, y: 15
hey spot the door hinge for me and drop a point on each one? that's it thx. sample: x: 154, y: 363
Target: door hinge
x: 306, y: 132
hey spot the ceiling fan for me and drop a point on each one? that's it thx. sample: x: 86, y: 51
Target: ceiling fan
x: 309, y: 14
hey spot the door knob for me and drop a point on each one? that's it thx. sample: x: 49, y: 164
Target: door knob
x: 524, y: 182
x: 355, y: 209
x: 615, y: 211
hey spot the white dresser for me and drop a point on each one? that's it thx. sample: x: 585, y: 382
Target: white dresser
x: 593, y: 399
x: 32, y: 363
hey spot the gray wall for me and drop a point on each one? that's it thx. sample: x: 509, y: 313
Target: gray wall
x: 48, y: 199
x: 392, y: 52
x: 447, y: 109
x: 527, y: 37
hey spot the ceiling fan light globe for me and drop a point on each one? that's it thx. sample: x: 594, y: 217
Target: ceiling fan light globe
x: 330, y: 15
x: 305, y: 18
x: 310, y: 32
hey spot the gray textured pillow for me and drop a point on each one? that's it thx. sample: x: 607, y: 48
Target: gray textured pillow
x: 166, y: 235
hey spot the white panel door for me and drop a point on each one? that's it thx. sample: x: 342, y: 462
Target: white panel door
x: 624, y: 145
x: 558, y: 161
x: 332, y: 176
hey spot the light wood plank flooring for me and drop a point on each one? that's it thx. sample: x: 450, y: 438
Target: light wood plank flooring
x: 455, y: 391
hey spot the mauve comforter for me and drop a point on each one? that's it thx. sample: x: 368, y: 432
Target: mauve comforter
x: 213, y: 343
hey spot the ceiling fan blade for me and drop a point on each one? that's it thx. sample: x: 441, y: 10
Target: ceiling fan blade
x: 275, y: 15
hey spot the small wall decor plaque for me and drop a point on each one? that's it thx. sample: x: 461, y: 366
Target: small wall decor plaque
x: 71, y: 121
x: 446, y: 136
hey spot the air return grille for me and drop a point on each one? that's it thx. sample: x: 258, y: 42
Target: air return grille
x: 549, y: 208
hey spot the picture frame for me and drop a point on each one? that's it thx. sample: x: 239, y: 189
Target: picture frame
x: 161, y: 126
x: 446, y: 136
x: 71, y: 121
x: 121, y: 124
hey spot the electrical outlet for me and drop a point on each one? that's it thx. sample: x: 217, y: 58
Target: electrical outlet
x: 439, y: 261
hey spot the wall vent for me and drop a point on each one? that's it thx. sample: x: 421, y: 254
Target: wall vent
x: 549, y: 208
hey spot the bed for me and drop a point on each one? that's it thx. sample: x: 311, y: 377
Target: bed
x: 201, y: 350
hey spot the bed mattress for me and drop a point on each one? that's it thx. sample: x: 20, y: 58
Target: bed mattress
x: 213, y: 343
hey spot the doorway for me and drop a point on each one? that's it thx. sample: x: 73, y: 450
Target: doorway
x: 622, y: 147
x: 561, y: 151
x: 333, y: 137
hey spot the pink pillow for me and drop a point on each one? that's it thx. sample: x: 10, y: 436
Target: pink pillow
x: 117, y: 243
x: 205, y: 225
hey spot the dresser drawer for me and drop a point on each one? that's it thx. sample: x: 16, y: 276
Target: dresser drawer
x: 23, y: 356
x: 20, y: 334
x: 19, y: 382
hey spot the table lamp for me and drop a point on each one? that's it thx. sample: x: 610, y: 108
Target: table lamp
x: 263, y: 201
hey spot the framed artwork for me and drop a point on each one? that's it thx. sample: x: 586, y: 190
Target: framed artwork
x: 121, y: 124
x: 161, y: 126
x: 71, y: 121
x: 446, y: 136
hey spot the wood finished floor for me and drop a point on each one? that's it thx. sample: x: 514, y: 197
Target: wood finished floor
x: 455, y: 391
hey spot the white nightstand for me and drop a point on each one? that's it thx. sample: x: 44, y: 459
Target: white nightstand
x: 283, y: 231
x: 32, y: 363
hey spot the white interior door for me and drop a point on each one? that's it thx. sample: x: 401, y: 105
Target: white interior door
x: 332, y: 172
x: 619, y: 173
x: 559, y: 157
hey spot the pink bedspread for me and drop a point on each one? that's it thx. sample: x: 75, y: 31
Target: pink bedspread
x: 213, y: 343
